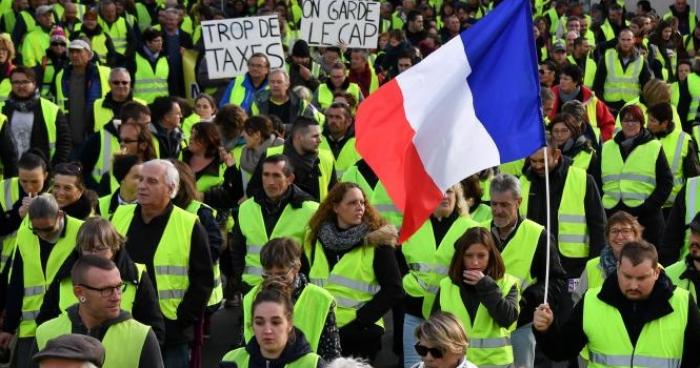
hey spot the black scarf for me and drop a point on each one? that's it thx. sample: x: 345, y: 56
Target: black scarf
x: 339, y: 240
x: 23, y: 104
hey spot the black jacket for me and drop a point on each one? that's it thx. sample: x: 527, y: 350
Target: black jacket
x: 39, y: 139
x: 150, y: 352
x: 145, y: 309
x: 295, y: 349
x: 595, y: 214
x: 533, y: 296
x: 170, y: 143
x: 565, y: 339
x: 674, y: 232
x: 91, y: 151
x: 648, y: 213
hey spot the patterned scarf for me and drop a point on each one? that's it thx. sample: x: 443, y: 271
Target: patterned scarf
x: 341, y: 240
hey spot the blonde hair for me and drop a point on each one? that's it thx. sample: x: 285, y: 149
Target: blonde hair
x: 6, y: 42
x: 460, y: 202
x: 656, y: 91
x: 445, y: 331
x: 96, y: 233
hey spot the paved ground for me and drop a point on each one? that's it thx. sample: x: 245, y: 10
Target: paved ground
x: 225, y: 324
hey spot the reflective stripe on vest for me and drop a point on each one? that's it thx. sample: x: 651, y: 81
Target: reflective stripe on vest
x: 520, y: 250
x: 489, y: 342
x: 621, y: 84
x: 109, y: 145
x: 660, y: 343
x: 675, y: 146
x: 383, y: 203
x: 428, y: 262
x: 123, y: 341
x: 36, y: 278
x: 242, y: 360
x: 172, y: 256
x: 352, y: 281
x: 291, y: 224
x: 150, y: 83
x: 573, y: 230
x: 310, y: 313
x: 118, y: 32
x: 632, y: 180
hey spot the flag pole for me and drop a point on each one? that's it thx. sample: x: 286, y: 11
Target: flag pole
x: 549, y: 241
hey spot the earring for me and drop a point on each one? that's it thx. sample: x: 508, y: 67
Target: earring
x: 82, y: 299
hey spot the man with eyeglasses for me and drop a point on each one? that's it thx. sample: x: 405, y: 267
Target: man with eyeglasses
x: 242, y: 89
x: 98, y: 286
x: 32, y: 122
x: 97, y: 152
x: 44, y: 244
x: 55, y: 59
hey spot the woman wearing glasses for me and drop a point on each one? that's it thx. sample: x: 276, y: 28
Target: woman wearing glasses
x: 442, y: 343
x: 482, y: 296
x: 69, y: 190
x: 138, y: 297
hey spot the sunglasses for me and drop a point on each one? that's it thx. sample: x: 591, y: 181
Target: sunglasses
x: 424, y: 350
x: 58, y: 44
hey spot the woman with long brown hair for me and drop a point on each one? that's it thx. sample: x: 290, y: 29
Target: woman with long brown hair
x: 483, y: 297
x: 351, y: 254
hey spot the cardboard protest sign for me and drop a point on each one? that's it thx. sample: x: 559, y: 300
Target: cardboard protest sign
x: 328, y: 22
x: 228, y: 44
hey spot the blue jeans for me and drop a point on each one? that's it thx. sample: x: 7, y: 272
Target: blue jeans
x: 410, y: 357
x: 176, y: 356
x: 523, y: 346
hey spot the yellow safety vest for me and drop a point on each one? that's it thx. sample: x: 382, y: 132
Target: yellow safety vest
x: 660, y: 343
x: 208, y: 181
x: 675, y: 146
x: 428, y: 262
x: 691, y: 20
x: 621, y: 85
x: 354, y: 175
x: 143, y: 16
x: 352, y: 281
x: 675, y: 271
x: 692, y: 207
x: 325, y: 95
x: 326, y: 162
x: 694, y: 90
x: 103, y: 115
x: 347, y: 156
x: 217, y: 293
x: 291, y: 224
x: 50, y: 112
x: 594, y: 273
x: 36, y: 279
x: 573, y: 231
x: 519, y: 252
x: 150, y: 83
x: 489, y: 342
x: 172, y: 257
x: 607, y: 30
x: 385, y: 205
x: 109, y: 145
x: 482, y: 214
x: 66, y: 297
x: 9, y: 195
x: 242, y: 359
x: 310, y: 313
x: 589, y: 72
x: 5, y: 89
x: 630, y: 181
x: 34, y: 46
x: 123, y: 341
x: 118, y: 31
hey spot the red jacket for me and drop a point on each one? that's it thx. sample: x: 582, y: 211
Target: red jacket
x: 606, y: 122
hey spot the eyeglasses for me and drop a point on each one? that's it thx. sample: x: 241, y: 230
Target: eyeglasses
x: 127, y: 141
x: 62, y: 44
x: 21, y: 82
x: 120, y: 83
x: 107, y: 290
x: 624, y: 231
x: 424, y: 350
x: 43, y: 230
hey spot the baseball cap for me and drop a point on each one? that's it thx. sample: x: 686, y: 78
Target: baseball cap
x: 559, y: 46
x: 43, y: 9
x: 79, y: 45
x: 75, y: 347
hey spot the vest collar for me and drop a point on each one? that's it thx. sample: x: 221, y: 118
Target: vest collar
x: 655, y: 307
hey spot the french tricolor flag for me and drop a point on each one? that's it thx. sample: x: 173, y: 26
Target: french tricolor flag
x: 472, y: 104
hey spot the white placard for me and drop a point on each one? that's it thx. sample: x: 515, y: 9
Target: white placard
x: 228, y: 44
x: 328, y: 22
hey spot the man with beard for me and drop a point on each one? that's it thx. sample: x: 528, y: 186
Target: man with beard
x: 636, y: 318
